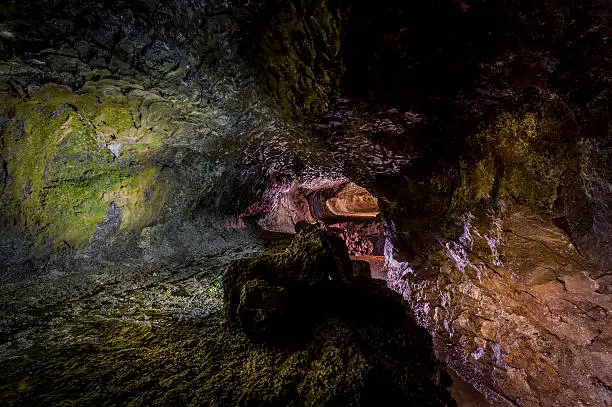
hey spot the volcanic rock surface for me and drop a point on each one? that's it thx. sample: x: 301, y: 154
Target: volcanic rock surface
x: 353, y: 202
x: 147, y: 145
x: 350, y: 332
x: 514, y: 310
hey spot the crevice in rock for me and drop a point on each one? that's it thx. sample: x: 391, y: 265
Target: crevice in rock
x: 583, y: 312
x: 562, y: 284
x: 5, y: 175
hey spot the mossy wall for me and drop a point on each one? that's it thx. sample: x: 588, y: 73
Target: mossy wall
x: 69, y: 155
x: 296, y: 54
x: 530, y: 156
x: 525, y: 156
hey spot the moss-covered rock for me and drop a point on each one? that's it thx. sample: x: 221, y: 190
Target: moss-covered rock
x: 529, y: 155
x: 65, y: 156
x: 103, y: 342
x: 296, y: 53
x: 349, y: 337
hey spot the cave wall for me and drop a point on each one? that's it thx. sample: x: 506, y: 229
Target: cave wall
x: 506, y: 128
x: 116, y: 117
x: 486, y: 228
x: 514, y: 311
x: 483, y: 130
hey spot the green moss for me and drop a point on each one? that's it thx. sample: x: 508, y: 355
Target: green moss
x: 62, y: 176
x: 116, y: 117
x: 75, y: 210
x: 58, y: 172
x: 297, y: 55
x: 477, y: 183
x: 482, y: 179
x: 532, y: 164
x: 521, y: 158
x: 178, y: 364
x: 141, y: 198
x: 117, y: 357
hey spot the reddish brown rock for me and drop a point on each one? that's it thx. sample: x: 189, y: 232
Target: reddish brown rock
x: 353, y: 201
x: 514, y: 312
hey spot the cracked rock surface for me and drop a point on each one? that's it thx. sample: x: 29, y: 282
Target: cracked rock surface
x: 521, y: 321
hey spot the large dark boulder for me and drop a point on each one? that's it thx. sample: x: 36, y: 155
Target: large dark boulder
x: 306, y: 301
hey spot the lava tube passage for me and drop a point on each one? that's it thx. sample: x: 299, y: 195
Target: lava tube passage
x: 305, y: 203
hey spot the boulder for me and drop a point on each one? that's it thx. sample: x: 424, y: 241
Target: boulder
x: 354, y: 338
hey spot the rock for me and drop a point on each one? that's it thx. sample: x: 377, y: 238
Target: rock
x: 57, y: 152
x: 353, y: 202
x: 262, y: 308
x: 310, y: 299
x: 314, y: 262
x: 513, y: 310
x: 282, y: 206
x: 160, y: 57
x: 506, y: 124
x: 361, y: 268
x: 296, y: 53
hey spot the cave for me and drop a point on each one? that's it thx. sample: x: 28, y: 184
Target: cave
x: 305, y: 203
x: 340, y: 207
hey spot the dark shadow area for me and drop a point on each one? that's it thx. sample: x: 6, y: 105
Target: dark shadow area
x: 312, y: 294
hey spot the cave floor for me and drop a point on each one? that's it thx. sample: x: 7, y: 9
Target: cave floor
x: 98, y: 332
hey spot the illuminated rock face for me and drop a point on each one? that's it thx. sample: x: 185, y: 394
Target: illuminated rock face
x: 362, y: 238
x: 70, y: 156
x: 94, y: 122
x: 353, y: 202
x: 514, y: 311
x: 287, y: 202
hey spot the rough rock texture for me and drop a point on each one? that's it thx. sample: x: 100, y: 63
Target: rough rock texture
x: 364, y: 238
x: 296, y: 52
x: 70, y: 156
x: 120, y: 107
x: 283, y: 204
x: 124, y: 123
x: 503, y: 108
x: 352, y: 201
x: 513, y: 309
x: 307, y: 301
x: 341, y: 207
x: 525, y: 121
x: 286, y: 202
